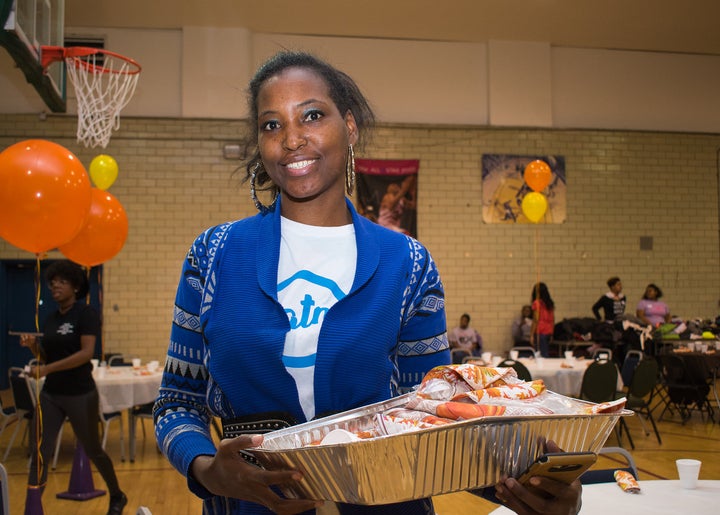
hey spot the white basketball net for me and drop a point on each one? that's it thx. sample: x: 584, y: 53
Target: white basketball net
x: 103, y: 86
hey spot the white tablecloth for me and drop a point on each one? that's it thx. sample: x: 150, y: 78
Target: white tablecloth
x: 559, y: 379
x: 655, y: 498
x: 123, y: 387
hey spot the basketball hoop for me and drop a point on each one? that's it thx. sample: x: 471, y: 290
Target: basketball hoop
x: 104, y: 83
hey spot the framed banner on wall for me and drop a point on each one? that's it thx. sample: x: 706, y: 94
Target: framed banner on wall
x: 503, y: 189
x: 387, y: 192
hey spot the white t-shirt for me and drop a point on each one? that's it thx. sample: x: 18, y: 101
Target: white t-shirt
x: 316, y: 269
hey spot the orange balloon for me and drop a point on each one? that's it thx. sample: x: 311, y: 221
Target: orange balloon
x: 104, y: 233
x: 537, y: 175
x: 44, y: 195
x: 534, y: 205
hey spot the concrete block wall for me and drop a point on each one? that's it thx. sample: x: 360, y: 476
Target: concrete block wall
x: 173, y: 183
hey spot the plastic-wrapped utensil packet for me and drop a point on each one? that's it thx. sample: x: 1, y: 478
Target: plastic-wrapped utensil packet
x: 626, y: 481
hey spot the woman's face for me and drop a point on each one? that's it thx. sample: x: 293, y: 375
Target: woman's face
x: 616, y: 288
x: 650, y: 292
x: 61, y: 289
x: 302, y: 137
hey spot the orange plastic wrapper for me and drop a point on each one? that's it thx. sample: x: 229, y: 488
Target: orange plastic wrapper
x: 467, y: 411
x: 402, y: 420
x: 627, y: 482
x: 472, y: 383
x: 606, y: 407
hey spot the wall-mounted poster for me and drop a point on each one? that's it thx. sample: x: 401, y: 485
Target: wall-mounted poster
x: 387, y: 192
x: 503, y: 189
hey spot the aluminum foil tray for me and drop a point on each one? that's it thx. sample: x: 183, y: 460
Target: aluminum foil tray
x: 460, y: 456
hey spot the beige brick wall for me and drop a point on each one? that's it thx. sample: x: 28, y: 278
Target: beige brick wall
x: 173, y: 182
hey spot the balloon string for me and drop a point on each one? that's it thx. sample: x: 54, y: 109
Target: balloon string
x: 100, y: 303
x: 38, y: 411
x: 536, y: 258
x: 37, y: 293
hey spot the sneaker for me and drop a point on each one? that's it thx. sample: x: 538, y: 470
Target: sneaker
x: 117, y: 504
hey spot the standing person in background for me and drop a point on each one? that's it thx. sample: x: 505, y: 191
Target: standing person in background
x: 521, y: 328
x: 612, y: 303
x: 304, y: 309
x: 651, y: 310
x: 67, y: 345
x: 465, y: 338
x: 543, y: 325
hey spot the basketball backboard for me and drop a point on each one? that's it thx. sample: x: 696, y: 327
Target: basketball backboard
x: 27, y: 26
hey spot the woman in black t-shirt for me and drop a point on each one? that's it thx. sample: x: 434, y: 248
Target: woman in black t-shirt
x: 64, y: 353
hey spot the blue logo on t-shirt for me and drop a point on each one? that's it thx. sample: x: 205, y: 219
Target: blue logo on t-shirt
x: 307, y: 297
x: 308, y: 313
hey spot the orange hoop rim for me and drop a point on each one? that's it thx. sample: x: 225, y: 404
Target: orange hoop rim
x: 52, y: 54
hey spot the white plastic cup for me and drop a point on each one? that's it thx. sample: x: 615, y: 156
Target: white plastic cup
x: 496, y: 360
x: 152, y: 366
x: 688, y: 471
x: 487, y: 357
x: 101, y: 370
x: 568, y: 355
x: 514, y: 355
x: 95, y: 363
x: 136, y: 362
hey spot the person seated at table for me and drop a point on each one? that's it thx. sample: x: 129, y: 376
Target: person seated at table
x: 521, y: 328
x: 64, y: 354
x: 464, y: 339
x: 651, y: 310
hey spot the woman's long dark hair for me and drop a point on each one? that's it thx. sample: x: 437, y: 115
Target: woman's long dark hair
x: 540, y: 291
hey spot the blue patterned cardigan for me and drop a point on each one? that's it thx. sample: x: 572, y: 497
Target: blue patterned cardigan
x: 228, y: 334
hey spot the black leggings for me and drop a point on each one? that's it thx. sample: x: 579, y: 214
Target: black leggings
x: 83, y: 412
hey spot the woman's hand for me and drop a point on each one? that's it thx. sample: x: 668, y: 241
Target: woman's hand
x: 228, y: 474
x: 29, y: 341
x: 563, y: 499
x: 38, y: 371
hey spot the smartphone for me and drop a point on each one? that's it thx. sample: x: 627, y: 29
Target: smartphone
x: 565, y: 467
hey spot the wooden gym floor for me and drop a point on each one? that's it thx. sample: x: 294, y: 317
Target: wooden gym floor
x: 152, y: 482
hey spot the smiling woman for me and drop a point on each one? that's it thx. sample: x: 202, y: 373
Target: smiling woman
x: 304, y: 309
x: 296, y: 290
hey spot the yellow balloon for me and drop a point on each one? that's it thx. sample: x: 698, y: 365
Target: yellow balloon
x: 534, y: 205
x: 103, y: 171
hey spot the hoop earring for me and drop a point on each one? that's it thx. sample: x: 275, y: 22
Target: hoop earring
x: 253, y: 194
x: 350, y: 171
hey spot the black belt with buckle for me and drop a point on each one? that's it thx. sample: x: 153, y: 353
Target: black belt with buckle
x: 257, y: 423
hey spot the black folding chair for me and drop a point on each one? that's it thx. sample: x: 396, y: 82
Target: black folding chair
x: 593, y: 476
x: 640, y: 393
x: 687, y: 390
x: 524, y: 351
x: 4, y: 494
x: 24, y: 399
x: 520, y: 369
x: 599, y: 384
x: 631, y: 361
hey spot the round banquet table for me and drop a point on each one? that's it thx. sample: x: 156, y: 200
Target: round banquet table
x: 122, y: 388
x: 655, y: 498
x: 559, y: 375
